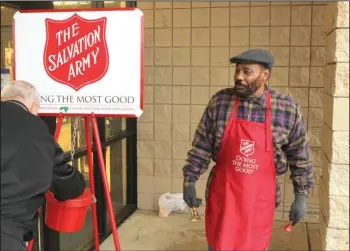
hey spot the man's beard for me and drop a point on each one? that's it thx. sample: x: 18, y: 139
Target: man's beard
x: 243, y: 90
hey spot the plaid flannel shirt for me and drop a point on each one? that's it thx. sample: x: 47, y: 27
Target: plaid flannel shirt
x: 290, y: 140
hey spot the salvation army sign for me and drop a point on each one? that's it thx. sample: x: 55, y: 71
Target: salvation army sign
x: 83, y: 49
x: 82, y: 62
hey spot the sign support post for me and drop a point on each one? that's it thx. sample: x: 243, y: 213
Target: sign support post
x: 104, y: 179
x: 92, y: 184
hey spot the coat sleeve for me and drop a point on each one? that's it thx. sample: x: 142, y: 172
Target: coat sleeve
x: 200, y: 154
x: 67, y: 181
x: 299, y: 157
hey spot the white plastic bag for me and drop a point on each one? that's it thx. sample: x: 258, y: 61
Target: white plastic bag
x: 169, y: 202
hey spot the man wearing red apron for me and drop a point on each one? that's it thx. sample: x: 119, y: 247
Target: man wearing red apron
x: 253, y: 134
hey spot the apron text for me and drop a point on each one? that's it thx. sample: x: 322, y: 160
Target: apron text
x: 245, y: 165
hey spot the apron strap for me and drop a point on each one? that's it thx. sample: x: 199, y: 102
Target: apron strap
x: 232, y: 118
x: 235, y: 108
x: 268, y: 131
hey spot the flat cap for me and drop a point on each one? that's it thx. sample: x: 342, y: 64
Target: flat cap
x: 254, y: 56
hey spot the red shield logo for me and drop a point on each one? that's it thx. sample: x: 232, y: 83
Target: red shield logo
x: 247, y: 147
x: 76, y: 52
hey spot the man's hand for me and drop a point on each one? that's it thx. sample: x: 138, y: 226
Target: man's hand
x: 67, y: 181
x: 298, y: 208
x: 190, y: 196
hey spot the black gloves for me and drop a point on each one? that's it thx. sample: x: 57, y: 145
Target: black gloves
x: 190, y: 196
x: 298, y: 208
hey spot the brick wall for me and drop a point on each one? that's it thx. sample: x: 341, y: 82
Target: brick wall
x: 334, y: 188
x: 187, y: 50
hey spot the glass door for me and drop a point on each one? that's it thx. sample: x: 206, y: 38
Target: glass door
x: 6, y: 38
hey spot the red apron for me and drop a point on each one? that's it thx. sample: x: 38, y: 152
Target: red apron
x: 241, y: 199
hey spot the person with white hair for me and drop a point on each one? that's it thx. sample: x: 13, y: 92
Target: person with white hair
x: 31, y: 164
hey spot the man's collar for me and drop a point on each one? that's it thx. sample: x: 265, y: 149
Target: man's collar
x: 258, y: 99
x: 18, y: 103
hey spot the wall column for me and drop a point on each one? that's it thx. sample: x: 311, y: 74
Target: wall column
x: 334, y: 189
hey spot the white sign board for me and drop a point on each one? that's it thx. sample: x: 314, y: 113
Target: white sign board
x: 82, y: 62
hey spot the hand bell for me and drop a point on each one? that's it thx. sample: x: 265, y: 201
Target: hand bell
x: 194, y: 215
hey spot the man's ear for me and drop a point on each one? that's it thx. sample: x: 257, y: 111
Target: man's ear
x: 266, y: 74
x: 32, y: 108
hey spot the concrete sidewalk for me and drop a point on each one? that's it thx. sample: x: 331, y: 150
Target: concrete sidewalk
x: 145, y: 230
